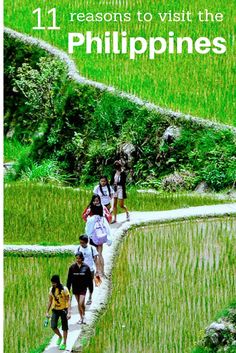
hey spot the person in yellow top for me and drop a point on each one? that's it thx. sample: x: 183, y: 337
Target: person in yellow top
x: 59, y: 302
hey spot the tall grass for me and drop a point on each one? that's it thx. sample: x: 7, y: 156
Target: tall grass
x: 180, y: 82
x: 26, y: 287
x: 168, y: 283
x: 43, y: 214
x: 13, y: 149
x: 37, y: 213
x: 166, y: 201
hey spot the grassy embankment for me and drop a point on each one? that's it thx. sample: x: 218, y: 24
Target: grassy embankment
x: 201, y: 85
x: 167, y: 285
x: 78, y: 131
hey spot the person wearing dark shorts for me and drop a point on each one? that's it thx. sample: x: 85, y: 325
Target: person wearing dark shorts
x: 80, y: 278
x: 59, y: 302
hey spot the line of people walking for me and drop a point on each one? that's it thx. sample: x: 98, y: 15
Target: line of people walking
x: 89, y: 262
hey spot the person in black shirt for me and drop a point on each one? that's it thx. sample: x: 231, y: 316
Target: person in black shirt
x: 80, y: 278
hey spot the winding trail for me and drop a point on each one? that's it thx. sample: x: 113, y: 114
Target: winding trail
x: 100, y: 294
x: 137, y: 218
x: 75, y: 75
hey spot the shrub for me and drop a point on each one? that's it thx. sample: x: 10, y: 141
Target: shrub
x: 82, y: 130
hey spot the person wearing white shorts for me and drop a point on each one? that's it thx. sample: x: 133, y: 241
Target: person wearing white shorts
x: 118, y: 182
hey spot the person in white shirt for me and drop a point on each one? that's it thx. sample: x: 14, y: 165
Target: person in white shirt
x: 105, y: 191
x: 90, y: 258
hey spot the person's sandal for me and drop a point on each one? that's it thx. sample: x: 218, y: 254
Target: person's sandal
x: 128, y: 217
x: 81, y: 322
x: 89, y: 302
x: 62, y: 347
x: 59, y: 341
x: 113, y: 222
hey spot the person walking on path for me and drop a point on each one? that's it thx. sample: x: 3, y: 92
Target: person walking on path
x: 59, y: 302
x: 105, y: 191
x: 80, y: 278
x: 95, y: 207
x: 90, y: 258
x: 97, y: 227
x: 118, y: 182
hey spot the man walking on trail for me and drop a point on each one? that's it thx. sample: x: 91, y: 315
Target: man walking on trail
x: 80, y: 278
x: 59, y: 302
x: 90, y: 258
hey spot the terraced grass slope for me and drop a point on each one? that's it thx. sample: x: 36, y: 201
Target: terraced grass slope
x: 201, y: 85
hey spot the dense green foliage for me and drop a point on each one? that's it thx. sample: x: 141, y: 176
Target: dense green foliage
x: 82, y: 131
x: 48, y: 215
x: 220, y: 340
x: 168, y: 282
x: 17, y: 114
x: 202, y: 85
x: 14, y: 150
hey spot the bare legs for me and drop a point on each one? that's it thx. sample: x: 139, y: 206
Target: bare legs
x: 81, y: 305
x: 100, y: 259
x: 122, y: 205
x: 58, y: 333
x: 65, y: 336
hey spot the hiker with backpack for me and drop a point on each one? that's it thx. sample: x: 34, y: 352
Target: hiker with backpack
x: 59, y: 302
x: 80, y: 278
x: 105, y: 191
x: 95, y: 207
x: 90, y: 258
x: 97, y: 227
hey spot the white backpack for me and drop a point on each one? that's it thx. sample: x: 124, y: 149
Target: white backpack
x: 99, y: 234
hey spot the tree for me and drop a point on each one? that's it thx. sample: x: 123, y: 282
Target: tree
x: 44, y: 88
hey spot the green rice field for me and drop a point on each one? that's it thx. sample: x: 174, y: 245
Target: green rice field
x: 26, y: 299
x: 168, y: 283
x: 48, y: 215
x: 199, y: 84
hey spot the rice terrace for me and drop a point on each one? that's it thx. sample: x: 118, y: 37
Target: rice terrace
x: 198, y: 85
x: 167, y: 117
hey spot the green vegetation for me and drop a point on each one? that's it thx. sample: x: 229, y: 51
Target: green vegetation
x: 81, y: 131
x: 26, y: 301
x: 220, y: 336
x: 167, y: 284
x: 45, y: 214
x: 201, y: 85
x: 13, y: 150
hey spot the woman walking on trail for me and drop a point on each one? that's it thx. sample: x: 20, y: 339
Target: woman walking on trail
x: 97, y: 227
x: 59, y: 302
x: 95, y: 207
x: 105, y: 191
x: 118, y: 182
x: 80, y: 278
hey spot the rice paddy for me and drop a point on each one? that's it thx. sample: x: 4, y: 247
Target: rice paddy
x: 48, y: 215
x: 168, y: 283
x: 26, y: 288
x: 201, y: 85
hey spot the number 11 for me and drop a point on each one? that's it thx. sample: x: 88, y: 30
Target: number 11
x: 53, y: 11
